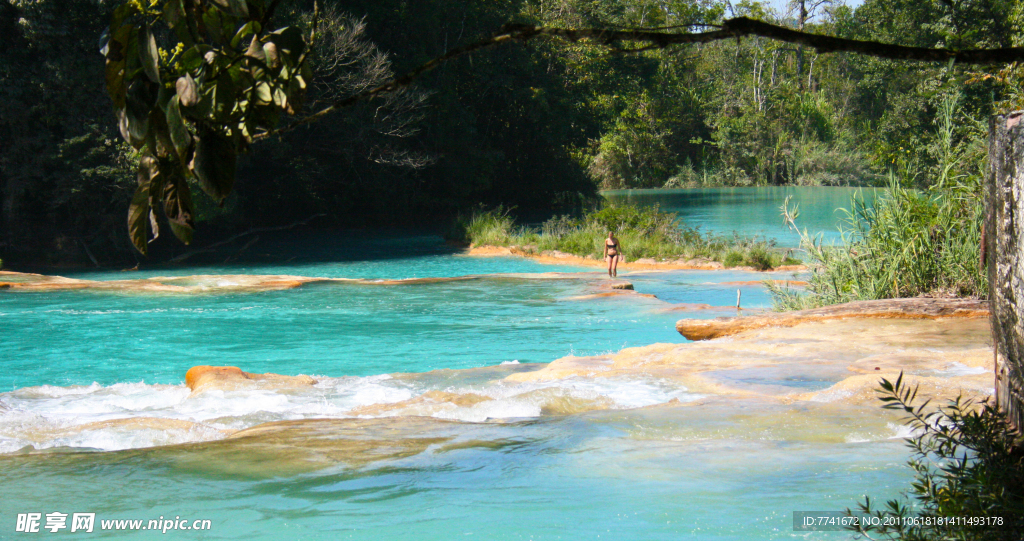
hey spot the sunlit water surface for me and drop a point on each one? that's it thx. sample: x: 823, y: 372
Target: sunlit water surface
x: 756, y: 211
x: 528, y: 467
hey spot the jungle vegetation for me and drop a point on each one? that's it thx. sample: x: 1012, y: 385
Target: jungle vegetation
x: 541, y: 126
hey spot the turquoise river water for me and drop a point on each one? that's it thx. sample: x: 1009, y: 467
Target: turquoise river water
x: 95, y: 416
x: 756, y: 211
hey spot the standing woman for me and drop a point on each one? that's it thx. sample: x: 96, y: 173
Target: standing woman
x: 612, y: 252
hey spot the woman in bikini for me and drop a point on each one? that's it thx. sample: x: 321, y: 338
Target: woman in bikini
x: 612, y: 252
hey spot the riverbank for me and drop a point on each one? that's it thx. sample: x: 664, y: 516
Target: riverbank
x: 555, y: 257
x: 642, y: 234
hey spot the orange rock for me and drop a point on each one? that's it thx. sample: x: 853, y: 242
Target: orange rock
x: 202, y: 378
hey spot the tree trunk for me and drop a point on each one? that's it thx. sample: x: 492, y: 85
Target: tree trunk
x: 1005, y: 260
x: 801, y: 21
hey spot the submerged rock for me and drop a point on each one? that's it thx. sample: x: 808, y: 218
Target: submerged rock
x: 230, y: 378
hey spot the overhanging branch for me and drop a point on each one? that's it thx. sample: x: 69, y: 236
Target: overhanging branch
x: 732, y: 28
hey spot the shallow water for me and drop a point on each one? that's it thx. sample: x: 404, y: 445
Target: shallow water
x: 94, y: 416
x: 754, y: 211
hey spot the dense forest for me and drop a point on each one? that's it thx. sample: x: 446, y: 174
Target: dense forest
x: 540, y: 126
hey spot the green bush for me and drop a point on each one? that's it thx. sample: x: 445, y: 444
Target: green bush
x: 733, y: 259
x: 967, y: 462
x: 643, y: 232
x: 483, y: 227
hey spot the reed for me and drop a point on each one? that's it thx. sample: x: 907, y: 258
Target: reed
x: 909, y: 243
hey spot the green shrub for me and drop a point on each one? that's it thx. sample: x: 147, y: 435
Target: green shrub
x: 643, y: 232
x: 733, y: 259
x: 761, y: 258
x: 483, y: 227
x: 908, y: 243
x: 967, y: 462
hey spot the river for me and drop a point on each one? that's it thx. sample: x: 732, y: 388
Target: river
x: 424, y: 422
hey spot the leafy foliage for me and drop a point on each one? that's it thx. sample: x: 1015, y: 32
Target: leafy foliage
x: 192, y: 107
x: 643, y: 232
x: 967, y: 462
x: 908, y: 242
x: 539, y: 126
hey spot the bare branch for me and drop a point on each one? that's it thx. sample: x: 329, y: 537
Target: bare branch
x: 732, y: 28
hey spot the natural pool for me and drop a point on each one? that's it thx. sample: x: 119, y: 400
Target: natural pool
x: 753, y: 211
x: 425, y: 432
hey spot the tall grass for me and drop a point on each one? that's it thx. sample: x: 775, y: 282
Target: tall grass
x: 909, y: 243
x: 643, y: 232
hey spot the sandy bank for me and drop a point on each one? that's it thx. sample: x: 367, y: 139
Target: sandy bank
x: 554, y: 257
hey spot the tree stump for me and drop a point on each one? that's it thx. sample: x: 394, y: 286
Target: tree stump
x: 1003, y: 255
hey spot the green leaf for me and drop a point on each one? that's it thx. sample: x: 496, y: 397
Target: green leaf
x: 139, y: 102
x: 159, y: 137
x: 237, y: 8
x: 289, y: 42
x: 148, y: 54
x: 121, y: 13
x: 178, y: 209
x: 138, y: 218
x: 264, y: 94
x: 272, y: 55
x: 248, y: 29
x: 193, y: 57
x: 214, y: 163
x: 281, y: 100
x: 174, y: 15
x: 115, y: 66
x: 224, y: 97
x: 255, y: 49
x: 139, y: 209
x: 105, y: 41
x: 180, y: 137
x: 122, y: 123
x: 132, y: 63
x: 154, y: 226
x: 188, y: 92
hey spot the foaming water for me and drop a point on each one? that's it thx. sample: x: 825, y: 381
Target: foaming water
x: 415, y: 427
x: 107, y: 417
x: 565, y: 477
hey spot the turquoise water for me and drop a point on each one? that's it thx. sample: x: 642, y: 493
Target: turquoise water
x: 754, y: 211
x: 573, y: 459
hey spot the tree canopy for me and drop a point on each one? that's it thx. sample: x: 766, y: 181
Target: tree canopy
x: 541, y: 126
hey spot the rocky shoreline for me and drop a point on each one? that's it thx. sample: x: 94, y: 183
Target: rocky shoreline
x: 912, y: 308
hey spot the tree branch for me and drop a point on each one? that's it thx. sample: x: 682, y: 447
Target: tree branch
x: 182, y: 257
x: 732, y: 28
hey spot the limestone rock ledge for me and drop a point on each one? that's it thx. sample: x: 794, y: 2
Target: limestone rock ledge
x: 229, y: 378
x: 913, y: 308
